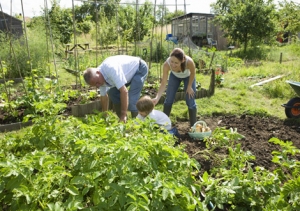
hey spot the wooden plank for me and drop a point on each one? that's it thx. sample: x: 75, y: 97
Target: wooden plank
x: 14, y: 126
x: 81, y: 110
x: 268, y: 80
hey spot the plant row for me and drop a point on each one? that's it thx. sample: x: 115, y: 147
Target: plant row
x: 96, y: 163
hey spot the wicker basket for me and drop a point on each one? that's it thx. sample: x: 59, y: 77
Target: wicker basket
x: 199, y: 135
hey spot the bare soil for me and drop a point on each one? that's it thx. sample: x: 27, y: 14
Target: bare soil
x: 256, y: 131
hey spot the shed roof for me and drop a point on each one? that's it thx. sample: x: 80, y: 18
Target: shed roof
x: 188, y: 15
x: 12, y: 17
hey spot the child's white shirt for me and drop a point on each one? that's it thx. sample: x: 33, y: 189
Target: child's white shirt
x: 159, y: 117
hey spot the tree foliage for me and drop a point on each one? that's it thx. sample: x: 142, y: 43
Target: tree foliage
x: 61, y: 23
x: 143, y: 21
x: 171, y: 15
x: 289, y: 16
x: 107, y: 21
x: 93, y: 9
x: 132, y: 23
x: 246, y: 21
x: 164, y: 16
x: 107, y: 34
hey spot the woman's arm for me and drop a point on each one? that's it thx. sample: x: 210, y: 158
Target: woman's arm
x: 163, y: 83
x: 191, y: 67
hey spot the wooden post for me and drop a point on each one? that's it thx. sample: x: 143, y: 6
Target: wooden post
x: 86, y: 46
x: 67, y: 50
x: 280, y: 60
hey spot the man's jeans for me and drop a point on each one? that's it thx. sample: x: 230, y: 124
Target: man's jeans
x: 135, y: 87
x: 173, y: 85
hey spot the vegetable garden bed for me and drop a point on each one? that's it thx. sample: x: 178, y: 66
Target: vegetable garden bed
x: 89, y: 158
x: 257, y: 131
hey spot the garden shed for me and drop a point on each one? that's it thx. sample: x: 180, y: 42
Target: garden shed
x: 10, y: 24
x: 199, y: 27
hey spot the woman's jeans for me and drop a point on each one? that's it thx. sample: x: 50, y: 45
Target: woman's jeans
x: 173, y: 85
x: 135, y: 88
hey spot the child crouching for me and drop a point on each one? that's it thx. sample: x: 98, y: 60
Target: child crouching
x: 145, y: 108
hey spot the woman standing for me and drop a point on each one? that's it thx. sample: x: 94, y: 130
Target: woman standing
x: 181, y: 68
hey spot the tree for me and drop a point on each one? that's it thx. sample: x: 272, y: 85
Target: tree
x: 144, y: 20
x: 107, y: 9
x: 171, y: 15
x: 135, y: 24
x: 107, y: 33
x: 61, y: 23
x: 289, y: 17
x: 85, y: 27
x: 126, y: 22
x: 246, y: 21
x: 164, y: 16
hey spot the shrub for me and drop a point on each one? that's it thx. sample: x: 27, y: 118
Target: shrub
x: 20, y: 59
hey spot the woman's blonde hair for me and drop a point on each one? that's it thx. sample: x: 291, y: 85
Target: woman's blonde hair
x: 145, y: 104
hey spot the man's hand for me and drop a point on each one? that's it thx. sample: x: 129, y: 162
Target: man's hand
x: 123, y: 119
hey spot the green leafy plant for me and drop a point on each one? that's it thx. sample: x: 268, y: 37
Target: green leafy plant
x: 222, y: 137
x: 235, y: 184
x: 219, y: 77
x: 6, y: 97
x: 97, y: 164
x: 286, y: 158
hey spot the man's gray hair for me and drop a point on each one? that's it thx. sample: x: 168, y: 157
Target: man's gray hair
x: 88, y: 74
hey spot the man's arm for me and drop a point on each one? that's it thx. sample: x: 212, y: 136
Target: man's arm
x: 124, y: 103
x: 104, y: 103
